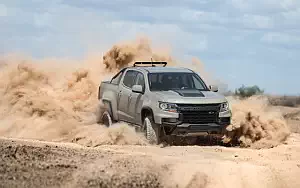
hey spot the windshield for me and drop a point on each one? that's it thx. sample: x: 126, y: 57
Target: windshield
x: 175, y: 81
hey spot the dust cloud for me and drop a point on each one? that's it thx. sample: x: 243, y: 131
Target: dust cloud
x: 122, y: 55
x: 56, y: 100
x: 255, y: 124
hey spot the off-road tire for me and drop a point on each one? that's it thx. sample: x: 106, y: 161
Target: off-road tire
x: 106, y: 119
x: 233, y: 142
x: 153, y: 137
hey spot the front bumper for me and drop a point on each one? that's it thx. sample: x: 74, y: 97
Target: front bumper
x: 194, y: 129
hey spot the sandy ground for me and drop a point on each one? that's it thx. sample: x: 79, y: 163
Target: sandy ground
x: 29, y: 163
x: 121, y: 161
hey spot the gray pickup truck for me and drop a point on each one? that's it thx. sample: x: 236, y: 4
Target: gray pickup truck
x: 163, y: 101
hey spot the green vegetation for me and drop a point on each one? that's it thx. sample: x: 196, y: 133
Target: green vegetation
x: 245, y: 92
x: 248, y: 91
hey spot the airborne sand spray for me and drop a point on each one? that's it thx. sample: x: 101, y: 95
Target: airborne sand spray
x: 50, y: 100
x: 56, y: 100
x: 123, y: 55
x: 256, y: 124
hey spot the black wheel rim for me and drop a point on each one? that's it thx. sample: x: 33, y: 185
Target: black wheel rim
x: 144, y: 128
x: 105, y: 120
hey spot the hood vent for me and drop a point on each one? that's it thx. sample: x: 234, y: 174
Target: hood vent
x: 189, y: 93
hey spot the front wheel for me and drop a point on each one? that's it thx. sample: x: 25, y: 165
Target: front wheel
x: 153, y: 137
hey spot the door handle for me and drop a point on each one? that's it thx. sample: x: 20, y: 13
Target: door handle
x: 119, y: 94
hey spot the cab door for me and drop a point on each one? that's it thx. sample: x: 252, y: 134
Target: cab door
x: 136, y: 100
x: 124, y: 95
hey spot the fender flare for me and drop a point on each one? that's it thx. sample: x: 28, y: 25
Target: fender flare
x: 148, y: 109
x: 109, y: 106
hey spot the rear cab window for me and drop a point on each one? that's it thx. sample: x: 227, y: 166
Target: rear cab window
x: 117, y: 78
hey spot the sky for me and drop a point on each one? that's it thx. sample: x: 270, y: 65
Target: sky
x: 250, y: 42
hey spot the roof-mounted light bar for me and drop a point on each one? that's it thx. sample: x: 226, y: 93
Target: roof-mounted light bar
x: 152, y: 63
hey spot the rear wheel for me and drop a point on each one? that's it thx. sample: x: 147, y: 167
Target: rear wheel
x: 106, y: 119
x: 153, y: 136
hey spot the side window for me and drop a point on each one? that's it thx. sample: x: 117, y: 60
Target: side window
x: 140, y: 80
x: 129, y: 78
x: 117, y: 78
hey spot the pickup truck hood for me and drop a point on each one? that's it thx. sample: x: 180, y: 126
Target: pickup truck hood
x: 190, y: 96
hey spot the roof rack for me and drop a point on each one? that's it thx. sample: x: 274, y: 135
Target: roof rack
x: 152, y: 63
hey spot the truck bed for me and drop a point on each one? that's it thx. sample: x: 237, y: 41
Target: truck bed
x: 109, y: 88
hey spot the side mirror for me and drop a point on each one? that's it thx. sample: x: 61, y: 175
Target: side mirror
x: 137, y: 89
x: 214, y: 88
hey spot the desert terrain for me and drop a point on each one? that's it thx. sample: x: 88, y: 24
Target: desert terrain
x: 49, y: 136
x: 31, y: 163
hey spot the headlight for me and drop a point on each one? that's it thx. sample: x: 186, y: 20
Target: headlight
x: 224, y: 107
x: 168, y: 107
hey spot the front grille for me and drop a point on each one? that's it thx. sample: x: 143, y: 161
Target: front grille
x: 199, y: 114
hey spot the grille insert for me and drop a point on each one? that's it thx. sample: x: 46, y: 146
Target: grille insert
x: 199, y: 114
